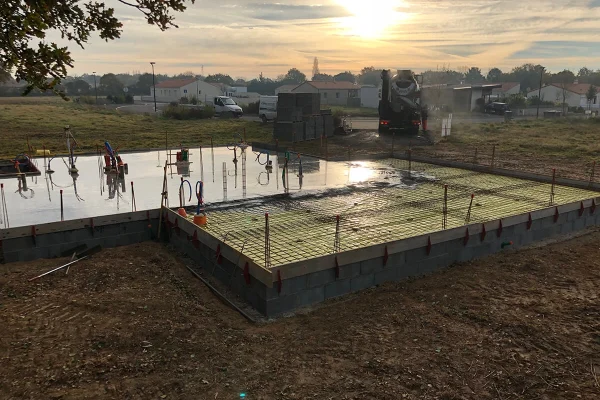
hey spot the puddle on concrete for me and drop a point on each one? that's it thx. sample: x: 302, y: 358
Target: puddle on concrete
x: 94, y: 193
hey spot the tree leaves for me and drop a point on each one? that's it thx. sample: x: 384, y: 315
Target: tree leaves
x: 25, y: 23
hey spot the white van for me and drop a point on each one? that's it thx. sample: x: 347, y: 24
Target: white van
x: 267, y: 108
x: 224, y: 104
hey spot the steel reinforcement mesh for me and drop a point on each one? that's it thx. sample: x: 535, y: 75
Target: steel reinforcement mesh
x: 305, y: 227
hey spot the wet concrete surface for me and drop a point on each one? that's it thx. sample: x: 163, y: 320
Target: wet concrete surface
x: 92, y: 192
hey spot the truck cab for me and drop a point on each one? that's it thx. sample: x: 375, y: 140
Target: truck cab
x: 400, y: 105
x: 224, y: 104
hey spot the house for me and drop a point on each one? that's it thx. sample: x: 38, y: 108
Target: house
x: 175, y: 89
x: 507, y: 89
x: 370, y: 96
x: 332, y: 93
x: 285, y: 89
x: 574, y: 94
x: 235, y: 91
x: 457, y: 97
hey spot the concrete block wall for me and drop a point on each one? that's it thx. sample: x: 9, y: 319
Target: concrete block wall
x: 309, y: 289
x: 53, y: 242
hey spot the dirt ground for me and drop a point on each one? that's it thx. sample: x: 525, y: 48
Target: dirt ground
x: 133, y: 323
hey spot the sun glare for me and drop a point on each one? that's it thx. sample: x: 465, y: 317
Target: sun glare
x: 370, y: 18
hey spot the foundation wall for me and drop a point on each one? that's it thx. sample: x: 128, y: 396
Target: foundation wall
x: 56, y: 238
x: 445, y: 249
x: 285, y: 288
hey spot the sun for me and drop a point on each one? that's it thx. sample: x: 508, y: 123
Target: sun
x: 371, y: 18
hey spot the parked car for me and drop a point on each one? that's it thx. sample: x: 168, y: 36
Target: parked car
x: 496, y: 108
x: 226, y: 105
x: 267, y: 109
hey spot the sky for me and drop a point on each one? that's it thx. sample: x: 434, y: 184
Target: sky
x: 243, y: 38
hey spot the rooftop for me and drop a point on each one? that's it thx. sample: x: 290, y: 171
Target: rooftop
x: 578, y: 88
x: 506, y: 86
x: 175, y: 83
x: 333, y: 85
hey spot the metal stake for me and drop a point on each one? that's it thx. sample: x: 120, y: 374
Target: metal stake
x: 267, y: 243
x: 133, y: 205
x: 445, y: 208
x: 224, y: 181
x: 552, y: 187
x: 336, y: 241
x: 468, y: 218
x: 244, y: 173
x: 62, y: 212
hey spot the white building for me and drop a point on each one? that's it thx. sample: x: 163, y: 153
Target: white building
x: 332, y: 93
x: 370, y: 96
x: 507, y: 89
x: 175, y: 89
x: 235, y: 91
x: 574, y: 94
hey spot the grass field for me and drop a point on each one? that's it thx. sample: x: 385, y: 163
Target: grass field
x: 569, y: 138
x: 42, y: 121
x: 535, y: 145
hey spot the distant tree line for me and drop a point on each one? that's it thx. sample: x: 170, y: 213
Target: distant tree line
x: 527, y: 75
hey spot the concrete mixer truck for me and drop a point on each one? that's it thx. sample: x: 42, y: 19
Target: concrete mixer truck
x: 400, y: 105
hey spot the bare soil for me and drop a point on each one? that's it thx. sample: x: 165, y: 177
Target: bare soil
x: 133, y: 323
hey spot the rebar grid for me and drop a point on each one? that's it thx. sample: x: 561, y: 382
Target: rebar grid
x: 305, y: 227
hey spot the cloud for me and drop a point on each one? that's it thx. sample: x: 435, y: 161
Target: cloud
x: 289, y: 12
x: 246, y: 37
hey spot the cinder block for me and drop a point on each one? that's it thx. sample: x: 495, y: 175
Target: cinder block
x: 435, y: 263
x: 572, y: 216
x: 255, y: 301
x: 288, y: 287
x: 20, y: 243
x: 579, y: 224
x: 562, y: 218
x: 396, y: 260
x: 590, y: 220
x: 362, y: 282
x: 218, y: 273
x: 536, y: 224
x: 310, y: 296
x: 542, y: 234
x: 416, y: 255
x: 321, y: 278
x: 238, y: 283
x: 12, y: 256
x: 525, y: 238
x: 337, y: 288
x: 280, y: 305
x: 548, y: 222
x: 389, y: 274
x: 371, y: 266
x: 50, y: 239
x: 37, y: 253
x: 349, y: 271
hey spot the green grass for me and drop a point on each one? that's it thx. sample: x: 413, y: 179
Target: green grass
x: 574, y: 139
x: 43, y: 122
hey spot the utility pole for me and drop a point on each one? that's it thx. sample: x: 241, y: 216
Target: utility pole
x: 537, y: 116
x: 153, y: 84
x: 95, y: 88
